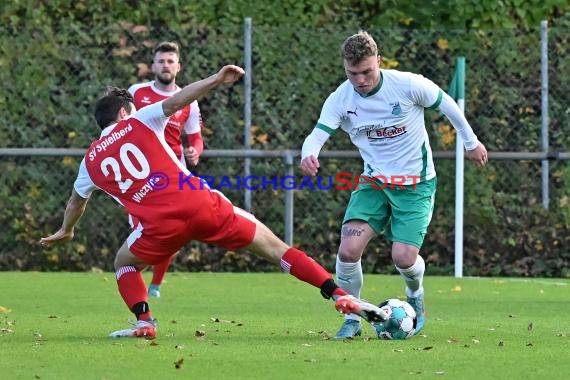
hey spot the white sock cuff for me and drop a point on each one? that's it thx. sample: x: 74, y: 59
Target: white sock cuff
x: 349, y: 266
x: 123, y: 270
x: 418, y: 267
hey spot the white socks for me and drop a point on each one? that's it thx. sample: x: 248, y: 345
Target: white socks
x: 414, y: 276
x: 349, y: 278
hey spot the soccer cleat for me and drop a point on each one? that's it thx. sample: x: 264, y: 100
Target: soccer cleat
x: 419, y: 306
x: 154, y: 291
x: 349, y: 329
x: 351, y: 305
x: 141, y: 329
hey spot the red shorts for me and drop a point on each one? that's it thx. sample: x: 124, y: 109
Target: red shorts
x: 215, y: 221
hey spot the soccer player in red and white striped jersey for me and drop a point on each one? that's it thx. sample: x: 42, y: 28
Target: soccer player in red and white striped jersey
x: 165, y: 67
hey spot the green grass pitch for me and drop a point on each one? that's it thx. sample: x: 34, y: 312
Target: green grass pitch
x: 271, y: 326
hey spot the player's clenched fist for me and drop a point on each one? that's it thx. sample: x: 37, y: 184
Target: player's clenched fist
x: 230, y: 74
x: 310, y: 165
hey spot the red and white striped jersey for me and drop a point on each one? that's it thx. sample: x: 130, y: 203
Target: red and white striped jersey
x: 188, y: 118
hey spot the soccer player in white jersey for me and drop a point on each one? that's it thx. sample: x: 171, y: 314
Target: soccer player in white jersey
x: 383, y: 113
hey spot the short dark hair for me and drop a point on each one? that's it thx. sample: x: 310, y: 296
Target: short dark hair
x: 108, y: 106
x: 358, y: 47
x: 166, y: 47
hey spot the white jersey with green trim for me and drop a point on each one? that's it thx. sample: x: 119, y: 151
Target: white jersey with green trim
x: 387, y: 125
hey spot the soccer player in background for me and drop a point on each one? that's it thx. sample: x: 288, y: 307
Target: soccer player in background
x: 133, y: 163
x: 383, y: 113
x: 165, y: 67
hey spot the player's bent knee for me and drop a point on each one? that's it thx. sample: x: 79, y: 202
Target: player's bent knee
x: 125, y: 257
x: 349, y: 253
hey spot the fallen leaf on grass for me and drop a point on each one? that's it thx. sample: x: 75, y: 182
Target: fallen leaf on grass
x: 4, y: 310
x: 324, y: 334
x: 199, y: 333
x: 178, y: 363
x: 456, y: 289
x: 311, y: 360
x: 218, y: 320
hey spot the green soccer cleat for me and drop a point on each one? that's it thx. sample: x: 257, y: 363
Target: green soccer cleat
x: 419, y: 306
x: 349, y: 329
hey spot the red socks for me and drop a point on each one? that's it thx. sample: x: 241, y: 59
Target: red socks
x: 159, y: 271
x: 304, y: 268
x: 133, y: 290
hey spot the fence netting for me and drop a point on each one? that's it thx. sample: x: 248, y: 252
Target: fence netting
x: 53, y: 77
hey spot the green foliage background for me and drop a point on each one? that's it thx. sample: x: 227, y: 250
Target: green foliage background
x: 57, y: 56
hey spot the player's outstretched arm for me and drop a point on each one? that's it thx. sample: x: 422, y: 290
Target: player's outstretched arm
x: 476, y: 151
x: 73, y: 212
x: 310, y: 151
x: 227, y: 74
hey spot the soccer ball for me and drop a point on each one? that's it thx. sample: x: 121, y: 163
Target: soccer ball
x: 401, y: 323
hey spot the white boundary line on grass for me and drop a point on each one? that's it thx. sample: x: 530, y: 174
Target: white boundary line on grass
x: 536, y: 281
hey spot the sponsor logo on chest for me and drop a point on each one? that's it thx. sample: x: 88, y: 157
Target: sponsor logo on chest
x: 386, y: 133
